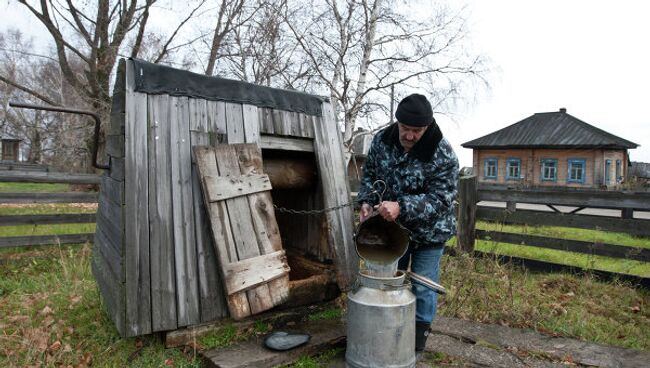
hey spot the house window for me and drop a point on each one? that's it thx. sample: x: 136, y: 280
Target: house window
x: 608, y: 170
x: 619, y: 178
x: 513, y: 168
x: 577, y: 171
x: 491, y: 165
x: 549, y: 170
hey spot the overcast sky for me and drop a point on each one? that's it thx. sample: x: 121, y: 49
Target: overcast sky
x: 591, y: 57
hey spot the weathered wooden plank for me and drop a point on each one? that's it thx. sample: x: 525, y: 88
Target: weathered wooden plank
x: 278, y: 126
x: 234, y: 123
x: 591, y: 248
x: 216, y: 115
x: 136, y: 216
x: 161, y: 227
x: 286, y: 144
x: 266, y: 227
x: 112, y: 189
x: 333, y: 175
x: 114, y: 232
x: 223, y: 240
x: 251, y: 124
x: 239, y: 213
x: 115, y: 145
x: 117, y: 120
x: 48, y: 177
x: 221, y: 187
x: 296, y: 127
x: 466, y: 213
x: 637, y: 227
x: 286, y: 122
x: 249, y: 273
x: 111, y: 290
x: 580, y: 198
x: 311, y: 120
x: 22, y: 241
x: 211, y: 294
x: 187, y: 293
x: 72, y: 197
x: 266, y: 120
x: 111, y: 255
x: 76, y: 218
x: 117, y: 168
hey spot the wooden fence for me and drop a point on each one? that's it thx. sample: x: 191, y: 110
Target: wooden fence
x: 468, y: 212
x: 40, y: 219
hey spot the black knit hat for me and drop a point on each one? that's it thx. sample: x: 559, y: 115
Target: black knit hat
x: 414, y: 110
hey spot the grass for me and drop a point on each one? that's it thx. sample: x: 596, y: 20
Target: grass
x: 46, y: 208
x: 51, y: 315
x: 568, y: 258
x: 33, y: 187
x: 558, y: 304
x: 51, y: 312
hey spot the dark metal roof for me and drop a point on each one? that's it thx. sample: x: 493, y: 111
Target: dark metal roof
x: 550, y: 130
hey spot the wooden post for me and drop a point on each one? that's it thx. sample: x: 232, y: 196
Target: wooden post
x: 627, y: 213
x: 467, y: 199
x: 511, y: 206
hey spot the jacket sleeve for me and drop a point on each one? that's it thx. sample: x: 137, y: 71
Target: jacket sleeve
x: 366, y: 194
x: 437, y: 200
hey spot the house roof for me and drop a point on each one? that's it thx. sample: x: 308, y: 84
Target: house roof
x: 550, y: 130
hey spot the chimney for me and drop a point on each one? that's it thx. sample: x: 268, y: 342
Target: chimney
x: 563, y: 109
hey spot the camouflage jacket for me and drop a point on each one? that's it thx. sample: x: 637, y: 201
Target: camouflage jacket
x: 423, y: 181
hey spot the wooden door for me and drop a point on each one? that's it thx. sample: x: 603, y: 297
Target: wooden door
x: 237, y: 195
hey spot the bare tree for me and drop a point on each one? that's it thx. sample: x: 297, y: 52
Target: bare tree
x: 359, y: 49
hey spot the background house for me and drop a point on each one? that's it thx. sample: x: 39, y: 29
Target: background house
x: 551, y: 149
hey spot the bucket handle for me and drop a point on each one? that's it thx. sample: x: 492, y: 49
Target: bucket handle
x: 425, y: 281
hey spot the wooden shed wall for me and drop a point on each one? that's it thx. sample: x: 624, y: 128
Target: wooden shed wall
x: 154, y: 260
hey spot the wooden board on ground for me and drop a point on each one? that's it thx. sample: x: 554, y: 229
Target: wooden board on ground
x: 244, y: 230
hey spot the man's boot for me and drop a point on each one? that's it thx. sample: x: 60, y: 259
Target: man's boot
x: 421, y: 334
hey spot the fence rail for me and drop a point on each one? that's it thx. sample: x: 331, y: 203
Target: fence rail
x: 635, y: 227
x: 47, y: 219
x: 468, y: 212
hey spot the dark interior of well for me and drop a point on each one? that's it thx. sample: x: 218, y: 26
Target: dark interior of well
x: 304, y: 237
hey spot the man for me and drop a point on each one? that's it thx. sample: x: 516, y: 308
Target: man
x: 420, y: 170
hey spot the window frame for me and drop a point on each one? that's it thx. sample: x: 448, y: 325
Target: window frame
x: 619, y: 172
x: 608, y: 171
x: 570, y: 163
x: 485, y: 168
x: 542, y: 163
x: 508, y: 162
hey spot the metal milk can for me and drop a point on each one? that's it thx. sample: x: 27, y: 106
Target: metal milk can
x: 381, y: 306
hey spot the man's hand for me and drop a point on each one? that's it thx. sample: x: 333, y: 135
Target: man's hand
x: 388, y: 210
x: 365, y: 212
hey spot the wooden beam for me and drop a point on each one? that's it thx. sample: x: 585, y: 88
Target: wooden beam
x: 76, y: 218
x: 22, y: 241
x: 249, y: 273
x: 290, y: 173
x: 597, y: 199
x: 598, y: 249
x: 286, y: 144
x: 466, y: 212
x: 637, y: 227
x: 48, y: 177
x: 224, y: 187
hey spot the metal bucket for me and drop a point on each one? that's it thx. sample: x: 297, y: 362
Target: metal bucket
x: 381, y: 323
x: 381, y: 244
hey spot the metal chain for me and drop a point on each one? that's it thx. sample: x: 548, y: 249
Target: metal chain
x: 334, y: 208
